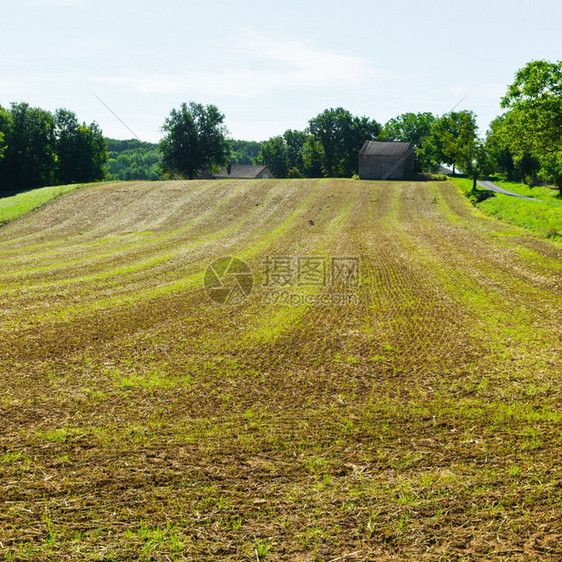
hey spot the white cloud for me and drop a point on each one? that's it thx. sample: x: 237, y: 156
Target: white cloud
x: 264, y: 64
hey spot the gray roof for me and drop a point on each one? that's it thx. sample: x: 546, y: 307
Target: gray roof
x: 241, y: 171
x: 386, y: 148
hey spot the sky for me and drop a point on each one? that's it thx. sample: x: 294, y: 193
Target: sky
x: 268, y: 66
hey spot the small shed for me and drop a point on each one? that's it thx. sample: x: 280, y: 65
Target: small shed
x: 382, y: 160
x: 244, y: 172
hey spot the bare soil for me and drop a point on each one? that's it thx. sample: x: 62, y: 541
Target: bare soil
x: 140, y: 420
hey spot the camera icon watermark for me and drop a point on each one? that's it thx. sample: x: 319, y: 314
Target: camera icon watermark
x: 228, y: 281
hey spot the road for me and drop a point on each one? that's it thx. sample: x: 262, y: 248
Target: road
x: 493, y: 187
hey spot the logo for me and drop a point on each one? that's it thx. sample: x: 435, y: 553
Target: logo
x: 228, y: 281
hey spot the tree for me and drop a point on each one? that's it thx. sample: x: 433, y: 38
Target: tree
x: 340, y: 137
x: 312, y: 156
x: 29, y: 156
x: 273, y: 154
x: 284, y: 154
x: 244, y: 152
x: 295, y: 141
x: 476, y: 162
x: 411, y: 127
x: 195, y: 139
x: 4, y: 128
x: 452, y: 140
x: 534, y: 104
x: 81, y: 150
x: 354, y: 135
x: 498, y: 147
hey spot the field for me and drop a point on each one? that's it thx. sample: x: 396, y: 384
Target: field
x: 140, y: 420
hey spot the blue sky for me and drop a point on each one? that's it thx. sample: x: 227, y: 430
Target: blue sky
x: 268, y: 66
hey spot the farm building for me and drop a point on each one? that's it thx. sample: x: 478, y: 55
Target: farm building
x: 391, y: 160
x: 241, y: 172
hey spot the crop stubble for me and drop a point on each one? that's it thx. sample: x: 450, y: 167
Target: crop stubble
x: 140, y: 420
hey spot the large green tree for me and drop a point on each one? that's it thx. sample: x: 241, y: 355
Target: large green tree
x: 534, y: 116
x: 81, y: 150
x: 411, y: 127
x: 499, y: 149
x: 340, y: 137
x: 29, y: 155
x: 295, y: 141
x: 284, y: 154
x: 273, y: 154
x: 452, y: 140
x: 195, y: 139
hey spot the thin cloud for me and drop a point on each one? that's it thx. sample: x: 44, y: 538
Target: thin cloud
x: 269, y: 64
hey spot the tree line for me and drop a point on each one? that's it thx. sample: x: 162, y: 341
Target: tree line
x: 525, y: 142
x: 40, y: 148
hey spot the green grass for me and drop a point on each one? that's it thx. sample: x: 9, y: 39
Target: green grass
x: 16, y: 206
x: 543, y: 217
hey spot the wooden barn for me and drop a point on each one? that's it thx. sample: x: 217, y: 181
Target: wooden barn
x: 392, y: 160
x: 243, y: 172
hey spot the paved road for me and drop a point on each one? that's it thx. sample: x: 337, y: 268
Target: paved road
x: 493, y: 187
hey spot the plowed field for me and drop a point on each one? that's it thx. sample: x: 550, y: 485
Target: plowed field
x: 141, y: 420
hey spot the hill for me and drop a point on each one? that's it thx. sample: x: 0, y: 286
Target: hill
x: 385, y: 381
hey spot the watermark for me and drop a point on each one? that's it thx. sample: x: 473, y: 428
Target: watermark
x: 294, y: 298
x: 228, y: 281
x: 311, y: 271
x: 287, y: 280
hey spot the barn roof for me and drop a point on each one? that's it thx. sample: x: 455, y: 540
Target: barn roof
x: 386, y: 148
x: 242, y: 171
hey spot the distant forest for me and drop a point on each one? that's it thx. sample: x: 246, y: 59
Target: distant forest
x: 136, y: 160
x: 39, y: 148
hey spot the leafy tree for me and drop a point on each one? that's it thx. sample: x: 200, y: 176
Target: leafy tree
x: 354, y: 135
x: 295, y: 173
x: 551, y: 168
x: 273, y: 154
x: 476, y: 161
x: 411, y: 127
x: 244, y: 152
x: 452, y: 140
x: 534, y: 117
x: 284, y: 154
x: 326, y: 128
x: 340, y: 137
x: 295, y: 141
x: 527, y: 166
x: 195, y: 139
x: 29, y: 155
x: 67, y: 130
x: 312, y: 156
x: 94, y: 153
x: 536, y: 100
x: 498, y: 147
x: 80, y: 149
x: 4, y: 127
